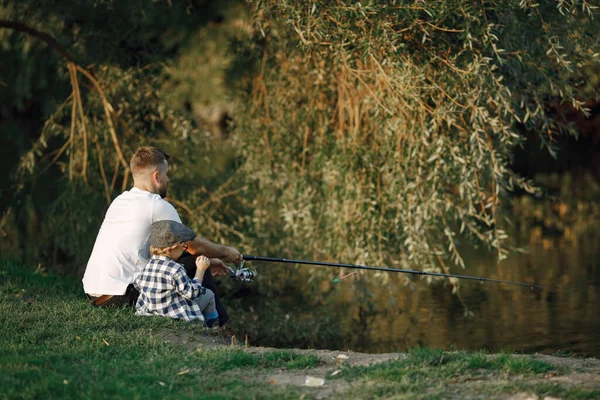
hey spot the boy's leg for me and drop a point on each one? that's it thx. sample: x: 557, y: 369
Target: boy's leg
x: 189, y: 263
x: 206, y: 302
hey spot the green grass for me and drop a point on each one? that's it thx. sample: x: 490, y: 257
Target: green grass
x: 55, y: 345
x: 435, y: 362
x: 433, y: 373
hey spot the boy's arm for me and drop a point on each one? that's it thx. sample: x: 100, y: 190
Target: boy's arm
x: 202, y: 264
x: 188, y: 288
x: 200, y: 275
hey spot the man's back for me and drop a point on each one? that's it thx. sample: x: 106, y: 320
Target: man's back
x: 121, y: 249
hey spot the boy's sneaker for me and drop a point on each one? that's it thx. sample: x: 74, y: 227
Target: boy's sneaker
x: 209, y: 323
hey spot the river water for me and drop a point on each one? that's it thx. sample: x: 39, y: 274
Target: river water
x: 565, y: 317
x: 369, y: 314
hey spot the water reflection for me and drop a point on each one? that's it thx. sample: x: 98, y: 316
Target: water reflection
x: 565, y: 318
x: 364, y: 314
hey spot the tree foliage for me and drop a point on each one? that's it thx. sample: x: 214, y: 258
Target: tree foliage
x: 109, y: 61
x: 374, y: 133
x: 382, y: 132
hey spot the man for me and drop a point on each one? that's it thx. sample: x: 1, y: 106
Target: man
x: 122, y: 246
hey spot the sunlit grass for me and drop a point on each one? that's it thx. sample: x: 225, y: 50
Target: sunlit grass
x: 54, y: 344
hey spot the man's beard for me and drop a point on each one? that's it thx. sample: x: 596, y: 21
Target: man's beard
x: 162, y: 191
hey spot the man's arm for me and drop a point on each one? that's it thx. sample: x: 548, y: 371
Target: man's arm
x: 212, y: 250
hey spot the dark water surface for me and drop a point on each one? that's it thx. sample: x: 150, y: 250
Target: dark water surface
x: 370, y: 314
x: 501, y: 317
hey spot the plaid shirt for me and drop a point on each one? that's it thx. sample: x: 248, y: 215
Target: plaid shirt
x: 165, y: 289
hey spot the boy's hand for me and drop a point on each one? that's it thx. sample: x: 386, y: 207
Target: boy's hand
x: 217, y: 267
x: 202, y: 263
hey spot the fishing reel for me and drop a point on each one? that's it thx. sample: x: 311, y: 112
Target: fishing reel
x: 242, y: 273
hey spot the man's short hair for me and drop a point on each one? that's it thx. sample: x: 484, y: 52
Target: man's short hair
x: 145, y: 157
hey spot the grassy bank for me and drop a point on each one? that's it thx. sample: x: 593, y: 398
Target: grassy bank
x: 55, y: 345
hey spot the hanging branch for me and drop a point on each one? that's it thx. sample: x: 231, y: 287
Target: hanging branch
x: 73, y: 120
x: 50, y: 41
x: 109, y: 111
x: 74, y: 67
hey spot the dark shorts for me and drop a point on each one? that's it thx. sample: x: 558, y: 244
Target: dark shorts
x: 127, y: 299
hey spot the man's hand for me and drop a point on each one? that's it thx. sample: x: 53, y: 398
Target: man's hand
x: 217, y: 267
x: 232, y: 255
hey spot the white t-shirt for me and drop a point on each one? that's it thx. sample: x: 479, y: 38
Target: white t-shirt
x: 122, y: 247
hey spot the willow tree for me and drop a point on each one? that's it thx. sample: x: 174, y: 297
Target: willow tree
x: 89, y: 80
x: 382, y: 131
x: 377, y: 133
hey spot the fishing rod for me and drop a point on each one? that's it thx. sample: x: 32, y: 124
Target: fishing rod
x: 246, y: 257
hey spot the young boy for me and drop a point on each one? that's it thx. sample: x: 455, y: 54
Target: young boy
x: 165, y: 288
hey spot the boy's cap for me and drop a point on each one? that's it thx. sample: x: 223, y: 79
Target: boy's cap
x: 166, y: 233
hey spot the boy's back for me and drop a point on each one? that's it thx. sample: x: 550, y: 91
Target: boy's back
x: 165, y: 289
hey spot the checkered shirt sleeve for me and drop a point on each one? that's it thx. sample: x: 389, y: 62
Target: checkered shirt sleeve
x: 166, y: 290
